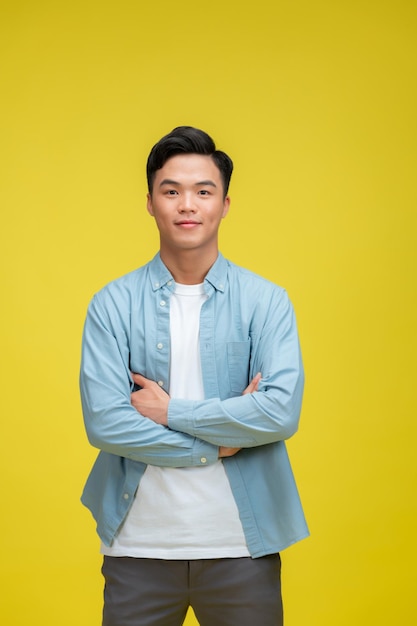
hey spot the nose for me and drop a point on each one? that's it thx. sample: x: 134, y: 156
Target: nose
x: 186, y: 204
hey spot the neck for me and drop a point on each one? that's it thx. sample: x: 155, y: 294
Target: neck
x: 189, y: 267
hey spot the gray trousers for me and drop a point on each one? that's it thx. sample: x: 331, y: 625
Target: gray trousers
x: 222, y: 592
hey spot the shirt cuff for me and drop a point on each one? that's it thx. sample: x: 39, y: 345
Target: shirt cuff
x: 180, y: 416
x: 180, y: 419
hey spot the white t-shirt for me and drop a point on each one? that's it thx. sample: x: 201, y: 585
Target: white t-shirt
x: 183, y: 513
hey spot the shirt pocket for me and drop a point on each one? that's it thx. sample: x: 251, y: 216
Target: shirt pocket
x: 238, y: 358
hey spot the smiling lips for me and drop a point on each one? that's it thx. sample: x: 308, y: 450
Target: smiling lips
x: 187, y: 223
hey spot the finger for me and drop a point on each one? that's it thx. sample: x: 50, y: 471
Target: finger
x: 140, y: 380
x: 255, y: 381
x: 225, y: 451
x: 253, y: 385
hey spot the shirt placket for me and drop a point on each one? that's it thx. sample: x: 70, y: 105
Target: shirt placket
x: 207, y: 345
x: 162, y: 344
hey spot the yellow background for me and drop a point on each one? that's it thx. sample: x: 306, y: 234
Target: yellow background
x: 316, y: 103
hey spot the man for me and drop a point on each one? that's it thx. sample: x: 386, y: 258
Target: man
x: 191, y: 380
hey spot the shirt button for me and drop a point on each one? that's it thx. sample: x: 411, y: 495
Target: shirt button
x: 156, y: 284
x: 126, y: 496
x: 161, y: 383
x: 203, y: 459
x: 159, y: 346
x: 221, y: 286
x: 162, y: 303
x: 169, y: 283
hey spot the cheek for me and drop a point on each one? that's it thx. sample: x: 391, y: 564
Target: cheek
x: 217, y: 216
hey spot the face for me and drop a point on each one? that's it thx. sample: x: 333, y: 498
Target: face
x: 188, y: 204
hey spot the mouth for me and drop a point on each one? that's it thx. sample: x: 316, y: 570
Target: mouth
x: 187, y: 223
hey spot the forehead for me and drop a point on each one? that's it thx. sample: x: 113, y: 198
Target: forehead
x: 189, y: 168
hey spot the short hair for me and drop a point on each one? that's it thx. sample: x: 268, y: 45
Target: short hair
x: 187, y: 140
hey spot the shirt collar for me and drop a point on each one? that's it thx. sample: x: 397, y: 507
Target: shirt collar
x: 160, y: 275
x: 217, y: 274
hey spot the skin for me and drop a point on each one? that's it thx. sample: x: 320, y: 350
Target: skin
x: 188, y: 204
x: 152, y: 402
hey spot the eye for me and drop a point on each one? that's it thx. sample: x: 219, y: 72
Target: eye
x: 204, y: 192
x: 171, y: 192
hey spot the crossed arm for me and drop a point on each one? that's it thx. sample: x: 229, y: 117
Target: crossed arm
x: 133, y: 426
x: 152, y: 402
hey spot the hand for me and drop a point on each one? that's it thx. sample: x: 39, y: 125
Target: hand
x: 224, y: 452
x: 253, y: 386
x: 151, y: 401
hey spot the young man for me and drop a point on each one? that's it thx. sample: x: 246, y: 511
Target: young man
x: 191, y: 380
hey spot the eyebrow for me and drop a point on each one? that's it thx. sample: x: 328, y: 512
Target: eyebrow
x: 210, y: 183
x: 169, y: 181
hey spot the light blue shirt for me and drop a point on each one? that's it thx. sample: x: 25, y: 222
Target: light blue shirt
x: 247, y: 325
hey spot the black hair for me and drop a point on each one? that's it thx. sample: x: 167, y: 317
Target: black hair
x: 187, y: 140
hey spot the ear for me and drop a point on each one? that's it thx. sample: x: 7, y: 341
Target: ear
x: 226, y: 206
x: 149, y: 204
